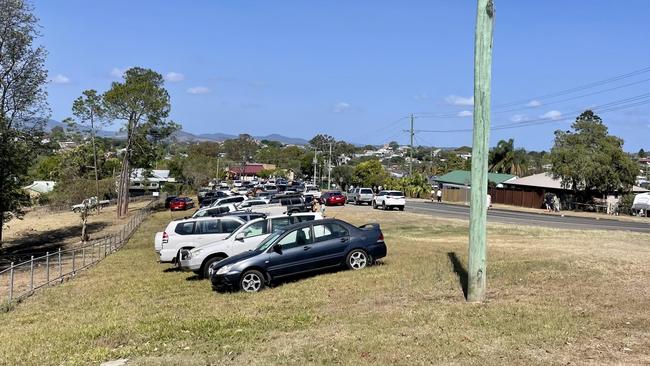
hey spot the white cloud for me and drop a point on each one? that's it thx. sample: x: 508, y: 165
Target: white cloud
x: 174, y: 77
x: 198, y: 90
x: 552, y: 115
x: 519, y: 118
x: 341, y: 107
x: 465, y: 114
x: 457, y: 100
x: 60, y: 79
x: 534, y: 103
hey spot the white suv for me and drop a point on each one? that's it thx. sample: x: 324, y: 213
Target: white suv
x: 247, y: 237
x: 389, y: 199
x: 312, y: 190
x: 192, y: 233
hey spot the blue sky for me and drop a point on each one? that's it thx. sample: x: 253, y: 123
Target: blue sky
x: 355, y: 69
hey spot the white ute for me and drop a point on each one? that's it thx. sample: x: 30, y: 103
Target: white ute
x: 191, y: 233
x: 247, y: 237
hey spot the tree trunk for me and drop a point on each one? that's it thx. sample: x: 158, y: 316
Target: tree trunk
x: 84, y: 221
x: 92, y: 131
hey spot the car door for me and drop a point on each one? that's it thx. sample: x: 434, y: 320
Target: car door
x: 330, y: 244
x: 294, y: 255
x: 205, y: 231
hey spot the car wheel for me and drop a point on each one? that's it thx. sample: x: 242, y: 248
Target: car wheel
x: 383, y: 205
x: 209, y: 264
x: 357, y: 259
x: 251, y: 281
x: 374, y: 204
x: 356, y: 202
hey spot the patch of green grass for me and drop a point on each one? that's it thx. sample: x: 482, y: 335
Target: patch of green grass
x: 408, y: 310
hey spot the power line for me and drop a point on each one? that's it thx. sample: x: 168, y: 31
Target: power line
x: 555, y: 94
x: 625, y: 103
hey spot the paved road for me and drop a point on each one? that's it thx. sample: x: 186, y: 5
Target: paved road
x: 526, y: 218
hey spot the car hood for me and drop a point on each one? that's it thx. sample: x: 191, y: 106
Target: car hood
x: 239, y: 257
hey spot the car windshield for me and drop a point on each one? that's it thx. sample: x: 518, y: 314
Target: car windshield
x: 266, y: 243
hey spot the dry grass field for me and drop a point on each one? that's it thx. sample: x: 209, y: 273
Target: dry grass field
x: 40, y: 230
x: 555, y: 297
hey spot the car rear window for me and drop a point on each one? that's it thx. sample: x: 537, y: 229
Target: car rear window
x: 366, y: 190
x: 399, y: 194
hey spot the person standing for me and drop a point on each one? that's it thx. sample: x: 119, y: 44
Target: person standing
x: 439, y: 195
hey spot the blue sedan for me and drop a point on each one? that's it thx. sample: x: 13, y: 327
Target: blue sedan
x: 300, y: 248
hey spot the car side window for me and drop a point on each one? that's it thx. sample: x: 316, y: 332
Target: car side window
x: 202, y: 213
x: 210, y: 227
x: 256, y: 229
x: 296, y: 238
x: 185, y: 228
x: 280, y: 223
x: 228, y: 226
x: 329, y: 231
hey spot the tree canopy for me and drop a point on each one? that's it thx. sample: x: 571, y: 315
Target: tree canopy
x: 590, y: 160
x: 142, y: 102
x: 23, y: 104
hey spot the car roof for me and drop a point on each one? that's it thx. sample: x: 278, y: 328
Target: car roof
x: 207, y: 218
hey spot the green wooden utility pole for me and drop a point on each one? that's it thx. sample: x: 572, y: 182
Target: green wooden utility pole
x: 478, y: 209
x: 411, y: 149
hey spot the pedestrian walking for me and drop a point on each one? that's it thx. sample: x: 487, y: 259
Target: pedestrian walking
x: 439, y: 195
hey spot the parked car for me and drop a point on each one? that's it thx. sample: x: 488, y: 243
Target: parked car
x: 244, y: 215
x: 90, y: 203
x: 250, y: 203
x: 191, y: 233
x: 389, y: 199
x: 294, y: 202
x: 247, y: 237
x: 300, y: 248
x: 361, y: 195
x: 168, y: 200
x: 226, y: 200
x: 312, y: 190
x: 181, y: 203
x: 213, y: 211
x: 202, y: 192
x: 333, y: 198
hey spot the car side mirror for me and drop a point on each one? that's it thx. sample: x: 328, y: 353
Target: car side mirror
x: 239, y: 237
x: 277, y: 248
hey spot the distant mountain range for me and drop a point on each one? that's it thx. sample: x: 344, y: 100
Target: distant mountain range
x: 184, y: 136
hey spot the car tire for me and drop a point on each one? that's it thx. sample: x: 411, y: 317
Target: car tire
x: 383, y: 206
x: 374, y: 205
x: 252, y: 281
x: 205, y: 269
x: 357, y: 259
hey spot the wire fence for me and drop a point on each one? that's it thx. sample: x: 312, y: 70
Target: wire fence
x: 20, y: 280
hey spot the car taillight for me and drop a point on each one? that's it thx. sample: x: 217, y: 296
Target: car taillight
x: 165, y: 239
x: 381, y: 237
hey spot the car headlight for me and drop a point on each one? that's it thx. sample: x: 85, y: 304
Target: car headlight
x: 193, y: 253
x: 225, y: 269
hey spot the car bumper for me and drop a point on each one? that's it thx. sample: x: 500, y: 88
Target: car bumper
x: 190, y: 265
x: 226, y: 282
x: 378, y: 250
x: 167, y: 255
x: 390, y: 202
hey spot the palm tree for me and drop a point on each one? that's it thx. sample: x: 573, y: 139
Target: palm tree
x: 505, y: 159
